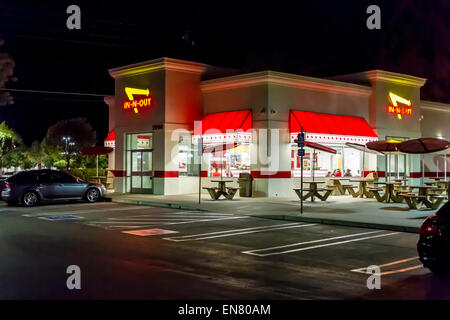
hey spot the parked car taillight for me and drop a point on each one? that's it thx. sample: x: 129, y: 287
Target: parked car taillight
x: 7, y: 186
x: 429, y: 228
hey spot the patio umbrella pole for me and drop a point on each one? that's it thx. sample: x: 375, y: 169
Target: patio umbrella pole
x: 437, y: 168
x: 313, y: 163
x: 364, y: 158
x: 423, y: 168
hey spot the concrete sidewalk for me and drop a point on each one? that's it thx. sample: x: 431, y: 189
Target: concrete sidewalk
x: 337, y: 210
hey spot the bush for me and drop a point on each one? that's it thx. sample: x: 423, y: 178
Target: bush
x: 86, y: 173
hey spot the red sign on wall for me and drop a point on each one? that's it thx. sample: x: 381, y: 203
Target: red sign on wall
x: 137, y: 104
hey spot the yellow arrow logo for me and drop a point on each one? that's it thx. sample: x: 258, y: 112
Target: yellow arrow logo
x: 142, y: 102
x: 133, y: 91
x: 395, y: 98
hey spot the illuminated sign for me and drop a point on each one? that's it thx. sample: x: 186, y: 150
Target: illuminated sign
x: 398, y: 110
x: 137, y: 104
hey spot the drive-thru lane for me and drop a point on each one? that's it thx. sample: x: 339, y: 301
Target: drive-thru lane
x: 128, y: 251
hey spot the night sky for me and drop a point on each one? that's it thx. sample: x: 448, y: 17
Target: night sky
x: 313, y: 38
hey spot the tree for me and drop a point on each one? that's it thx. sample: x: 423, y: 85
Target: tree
x: 36, y: 154
x: 17, y: 157
x: 70, y: 136
x: 6, y: 74
x: 9, y: 140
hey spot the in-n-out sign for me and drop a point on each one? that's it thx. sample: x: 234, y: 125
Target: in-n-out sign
x: 137, y: 104
x: 399, y: 110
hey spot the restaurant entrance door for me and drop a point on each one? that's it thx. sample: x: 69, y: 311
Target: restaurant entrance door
x: 139, y: 163
x: 141, y: 171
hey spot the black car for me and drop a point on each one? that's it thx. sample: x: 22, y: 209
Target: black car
x: 434, y: 242
x: 40, y: 186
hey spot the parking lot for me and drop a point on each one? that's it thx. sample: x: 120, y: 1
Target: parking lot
x: 128, y: 251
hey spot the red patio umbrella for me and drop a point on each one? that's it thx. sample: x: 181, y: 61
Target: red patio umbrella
x: 383, y: 146
x: 95, y: 151
x: 423, y: 145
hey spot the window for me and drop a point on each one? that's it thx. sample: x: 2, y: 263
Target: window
x: 62, y: 177
x: 186, y: 165
x: 229, y: 162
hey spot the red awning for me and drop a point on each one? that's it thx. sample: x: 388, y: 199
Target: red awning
x: 226, y: 121
x: 111, y: 136
x: 319, y: 147
x: 324, y: 123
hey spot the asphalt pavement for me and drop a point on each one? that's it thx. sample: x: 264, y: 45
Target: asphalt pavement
x: 140, y: 252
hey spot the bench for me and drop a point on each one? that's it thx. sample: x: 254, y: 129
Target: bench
x: 376, y: 192
x: 413, y: 200
x: 231, y: 192
x: 350, y: 189
x: 213, y: 192
x: 314, y: 193
x: 436, y: 201
x: 109, y: 183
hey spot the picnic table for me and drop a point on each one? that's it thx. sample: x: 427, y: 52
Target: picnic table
x: 388, y: 195
x: 98, y: 179
x: 313, y: 191
x: 401, y: 181
x: 362, y: 190
x: 423, y: 189
x: 423, y: 197
x: 441, y: 184
x: 338, y: 187
x: 222, y: 189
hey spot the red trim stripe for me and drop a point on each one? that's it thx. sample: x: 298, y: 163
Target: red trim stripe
x: 427, y: 174
x: 118, y: 173
x: 271, y: 174
x: 166, y: 174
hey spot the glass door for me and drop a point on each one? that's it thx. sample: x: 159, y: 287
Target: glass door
x: 141, y: 171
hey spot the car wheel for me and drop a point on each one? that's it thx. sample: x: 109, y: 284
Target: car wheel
x: 30, y: 199
x: 92, y: 195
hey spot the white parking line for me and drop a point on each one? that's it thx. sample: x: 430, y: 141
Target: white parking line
x: 150, y: 219
x: 254, y: 252
x: 151, y: 223
x: 82, y: 206
x: 235, y: 232
x: 105, y: 210
x: 419, y: 266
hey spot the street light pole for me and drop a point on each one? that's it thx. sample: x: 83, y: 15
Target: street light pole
x: 67, y: 139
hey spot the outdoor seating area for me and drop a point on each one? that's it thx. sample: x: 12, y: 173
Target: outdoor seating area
x: 428, y: 194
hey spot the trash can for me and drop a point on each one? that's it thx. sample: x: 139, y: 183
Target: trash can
x: 245, y: 184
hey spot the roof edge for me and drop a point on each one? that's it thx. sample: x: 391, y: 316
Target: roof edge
x: 286, y: 79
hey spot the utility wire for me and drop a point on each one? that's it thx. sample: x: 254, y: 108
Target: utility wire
x: 56, y: 92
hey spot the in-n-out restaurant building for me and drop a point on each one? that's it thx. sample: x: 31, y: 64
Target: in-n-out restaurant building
x: 249, y: 123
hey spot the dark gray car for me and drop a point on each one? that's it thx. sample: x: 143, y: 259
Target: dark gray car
x: 40, y: 186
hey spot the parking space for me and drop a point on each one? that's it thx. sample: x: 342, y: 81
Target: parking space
x: 332, y: 260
